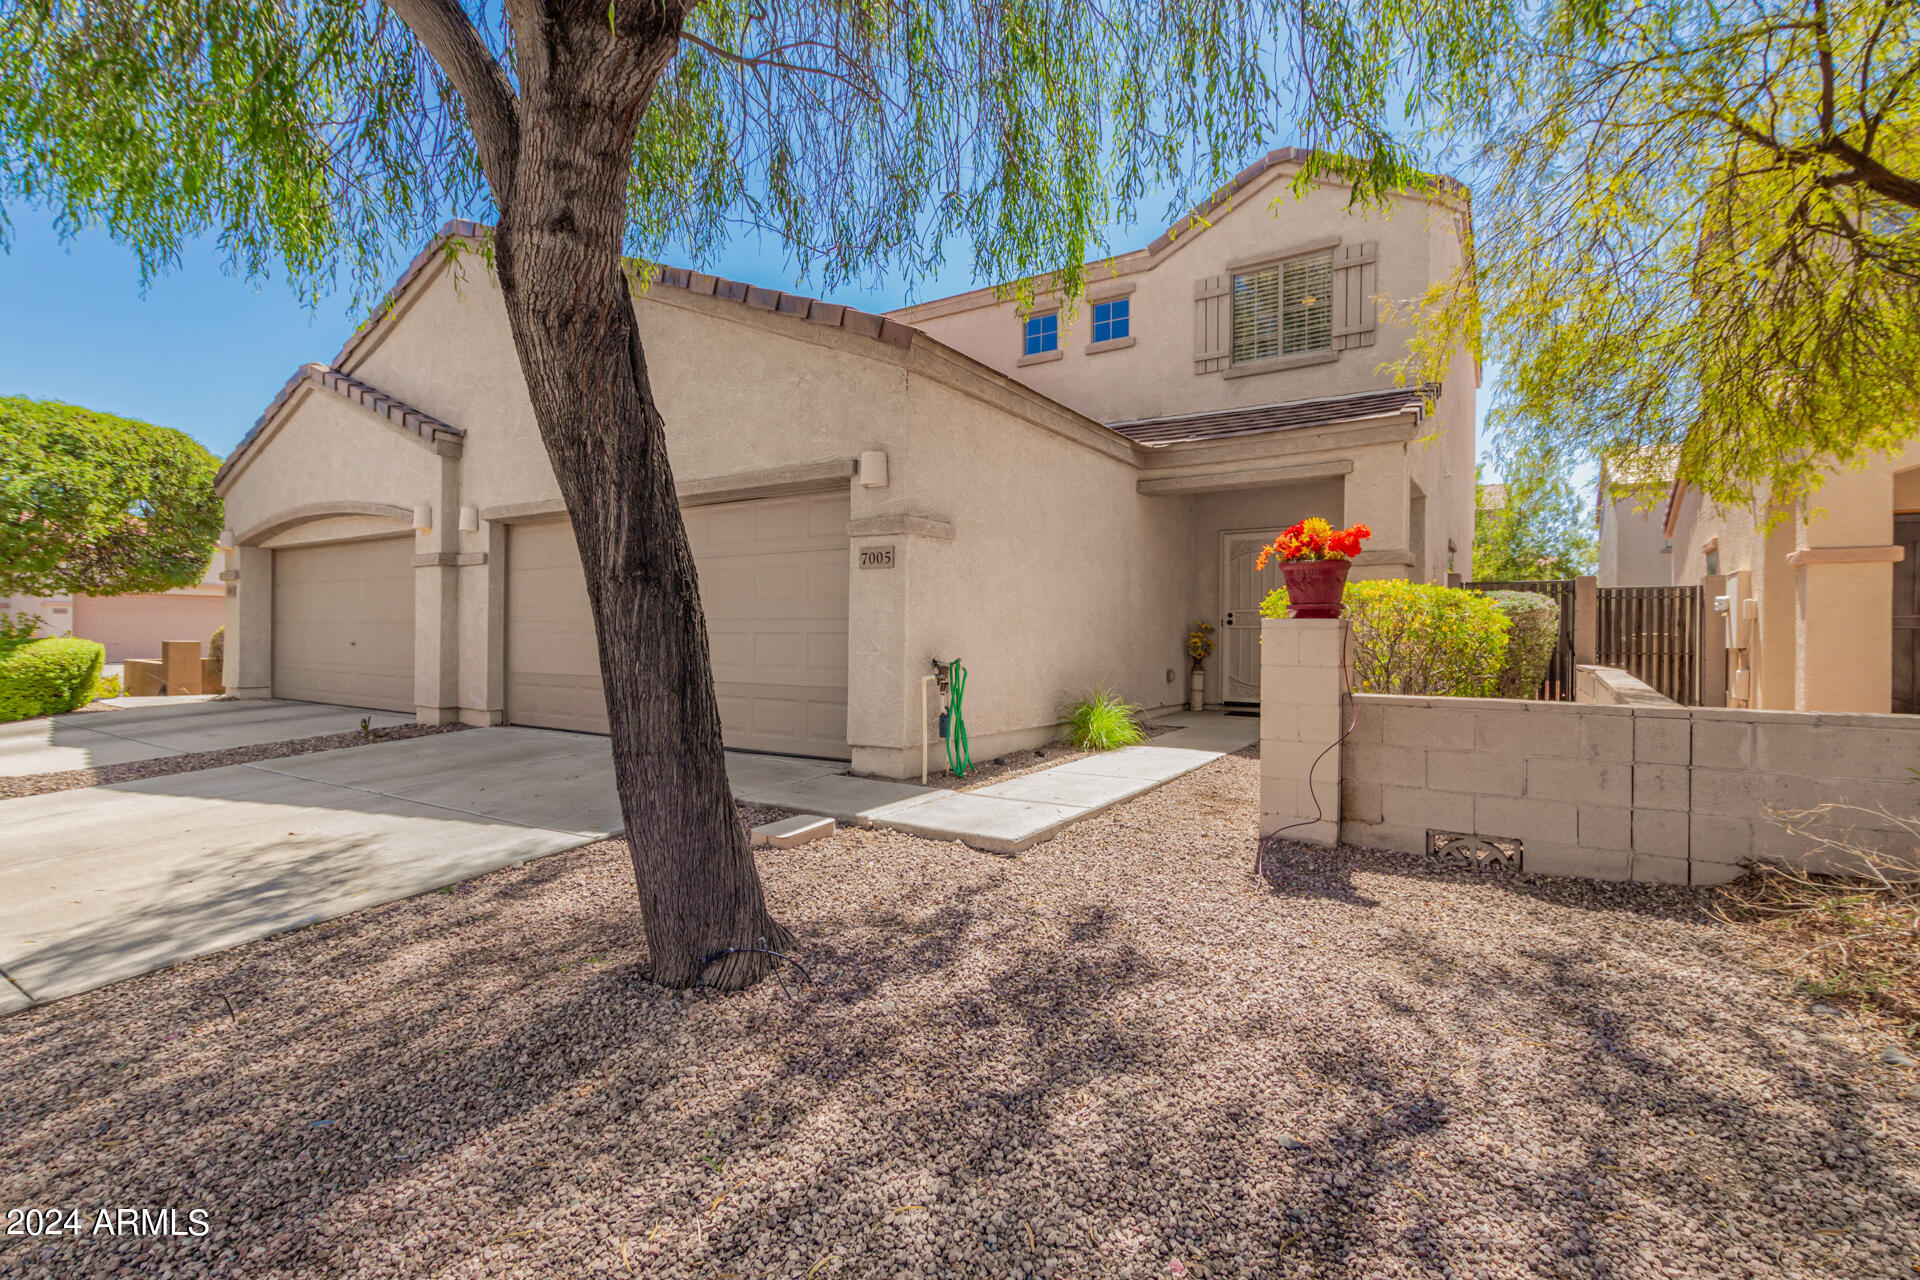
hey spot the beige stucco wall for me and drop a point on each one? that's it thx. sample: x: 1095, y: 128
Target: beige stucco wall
x: 1155, y: 376
x: 1023, y: 544
x: 1822, y: 640
x: 1634, y: 551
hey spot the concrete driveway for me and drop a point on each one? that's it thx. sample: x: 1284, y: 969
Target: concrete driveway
x: 146, y: 731
x: 103, y: 883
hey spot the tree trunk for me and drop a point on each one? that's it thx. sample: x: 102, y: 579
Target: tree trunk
x: 558, y: 254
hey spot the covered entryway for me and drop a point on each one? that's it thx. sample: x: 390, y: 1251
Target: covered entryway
x: 1242, y: 588
x: 133, y: 626
x: 343, y: 623
x: 773, y: 582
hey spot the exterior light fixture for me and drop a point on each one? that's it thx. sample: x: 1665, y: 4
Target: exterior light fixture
x: 469, y: 519
x: 423, y: 518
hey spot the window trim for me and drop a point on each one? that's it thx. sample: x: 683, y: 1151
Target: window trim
x: 1278, y: 263
x: 1111, y: 344
x: 1051, y: 353
x: 1093, y: 320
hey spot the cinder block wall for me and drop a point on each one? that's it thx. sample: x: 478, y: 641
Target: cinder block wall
x: 1674, y: 795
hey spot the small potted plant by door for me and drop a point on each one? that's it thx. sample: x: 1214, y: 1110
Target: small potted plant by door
x: 1199, y: 648
x: 1315, y: 558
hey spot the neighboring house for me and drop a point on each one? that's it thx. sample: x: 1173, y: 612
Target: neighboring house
x: 1635, y: 550
x: 1823, y: 603
x: 132, y: 625
x: 867, y: 494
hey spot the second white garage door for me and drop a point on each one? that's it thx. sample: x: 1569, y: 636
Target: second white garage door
x: 773, y: 581
x: 343, y: 623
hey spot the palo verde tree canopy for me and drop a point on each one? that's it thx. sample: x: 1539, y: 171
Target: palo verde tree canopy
x: 312, y: 138
x: 98, y: 504
x: 1698, y: 237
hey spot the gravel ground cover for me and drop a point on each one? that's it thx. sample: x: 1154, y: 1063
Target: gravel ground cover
x: 1114, y: 1055
x: 39, y: 784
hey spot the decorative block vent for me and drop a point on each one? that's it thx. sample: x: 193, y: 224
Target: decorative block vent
x: 1463, y: 851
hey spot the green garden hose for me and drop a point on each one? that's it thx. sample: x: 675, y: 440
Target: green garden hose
x: 958, y: 758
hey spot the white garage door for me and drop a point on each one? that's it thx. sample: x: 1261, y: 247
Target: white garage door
x: 773, y: 582
x: 343, y: 623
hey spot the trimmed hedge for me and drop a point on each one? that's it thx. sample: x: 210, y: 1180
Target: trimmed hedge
x: 1419, y: 638
x: 47, y: 677
x: 1532, y: 635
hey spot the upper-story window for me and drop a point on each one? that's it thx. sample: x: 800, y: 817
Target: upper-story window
x: 1283, y: 310
x: 1112, y: 320
x: 1042, y: 334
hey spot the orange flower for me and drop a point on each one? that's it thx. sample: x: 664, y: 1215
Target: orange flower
x: 1314, y: 539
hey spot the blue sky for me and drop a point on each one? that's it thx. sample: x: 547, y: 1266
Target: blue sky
x: 204, y: 351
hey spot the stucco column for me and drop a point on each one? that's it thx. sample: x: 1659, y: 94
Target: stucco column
x: 1304, y: 671
x: 483, y: 624
x: 1376, y: 494
x: 436, y: 604
x: 247, y: 669
x: 1843, y: 597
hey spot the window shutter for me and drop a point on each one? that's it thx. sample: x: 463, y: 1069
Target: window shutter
x: 1212, y: 323
x: 1354, y: 310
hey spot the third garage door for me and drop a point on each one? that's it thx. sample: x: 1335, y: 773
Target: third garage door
x: 773, y: 581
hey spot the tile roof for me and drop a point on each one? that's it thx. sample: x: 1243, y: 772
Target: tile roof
x: 402, y: 415
x: 1287, y: 416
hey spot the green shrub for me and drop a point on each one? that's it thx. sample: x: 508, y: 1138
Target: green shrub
x: 47, y: 677
x: 108, y: 687
x: 1533, y: 634
x: 16, y: 629
x: 1104, y: 720
x: 217, y: 644
x: 1419, y: 638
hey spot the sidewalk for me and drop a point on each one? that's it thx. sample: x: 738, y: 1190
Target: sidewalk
x: 1006, y: 817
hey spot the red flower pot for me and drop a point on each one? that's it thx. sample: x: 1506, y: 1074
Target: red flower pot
x: 1315, y: 587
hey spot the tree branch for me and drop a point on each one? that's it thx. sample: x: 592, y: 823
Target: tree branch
x: 493, y: 111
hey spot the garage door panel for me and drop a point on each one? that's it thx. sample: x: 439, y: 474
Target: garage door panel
x: 773, y: 584
x: 343, y: 623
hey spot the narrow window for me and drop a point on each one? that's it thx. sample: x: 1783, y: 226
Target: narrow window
x: 1042, y: 334
x: 1111, y: 320
x: 1283, y: 310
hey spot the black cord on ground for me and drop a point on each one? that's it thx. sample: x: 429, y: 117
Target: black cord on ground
x: 1353, y: 722
x: 763, y: 950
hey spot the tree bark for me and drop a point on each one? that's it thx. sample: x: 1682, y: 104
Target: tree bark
x: 583, y: 89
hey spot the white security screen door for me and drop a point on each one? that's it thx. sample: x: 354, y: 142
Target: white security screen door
x: 1242, y: 588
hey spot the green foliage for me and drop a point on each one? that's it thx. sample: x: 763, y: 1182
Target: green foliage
x: 15, y: 630
x: 1419, y: 638
x: 1541, y: 527
x: 1103, y: 720
x: 47, y: 677
x: 108, y: 687
x: 98, y: 504
x: 1424, y: 638
x: 217, y: 643
x: 312, y: 137
x: 1697, y: 235
x: 1533, y: 632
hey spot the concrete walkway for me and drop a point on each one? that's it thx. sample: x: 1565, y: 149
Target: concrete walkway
x: 1005, y: 817
x: 102, y: 883
x: 149, y: 728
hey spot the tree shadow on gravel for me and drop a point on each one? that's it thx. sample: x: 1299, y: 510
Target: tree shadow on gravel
x: 1054, y: 1065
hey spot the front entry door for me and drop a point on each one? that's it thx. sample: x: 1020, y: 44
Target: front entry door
x: 1242, y: 588
x: 1906, y: 616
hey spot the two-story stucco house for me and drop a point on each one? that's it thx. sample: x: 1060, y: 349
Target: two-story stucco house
x: 1052, y: 495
